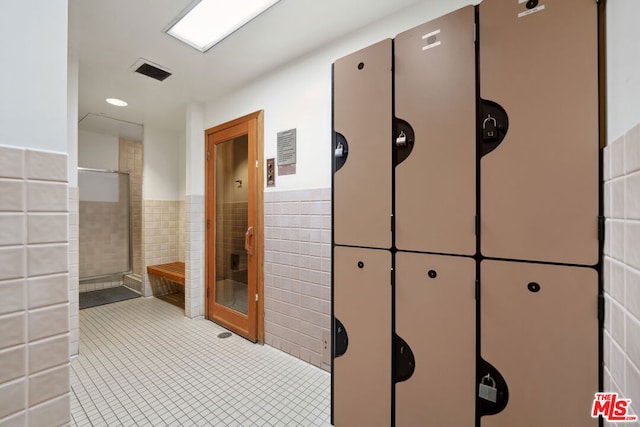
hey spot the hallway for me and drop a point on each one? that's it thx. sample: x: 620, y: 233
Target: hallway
x: 142, y: 363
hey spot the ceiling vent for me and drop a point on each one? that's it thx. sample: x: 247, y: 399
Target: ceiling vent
x: 149, y: 69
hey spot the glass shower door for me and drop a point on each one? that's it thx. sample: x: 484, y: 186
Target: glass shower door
x: 104, y: 229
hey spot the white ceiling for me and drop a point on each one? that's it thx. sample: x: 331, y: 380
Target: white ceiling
x: 109, y: 36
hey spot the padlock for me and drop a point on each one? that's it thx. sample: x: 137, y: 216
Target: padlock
x: 339, y: 153
x: 486, y: 391
x: 489, y: 129
x: 401, y: 140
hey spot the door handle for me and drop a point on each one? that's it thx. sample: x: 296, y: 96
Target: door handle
x: 248, y: 241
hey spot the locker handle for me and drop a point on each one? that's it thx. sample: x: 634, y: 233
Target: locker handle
x: 405, y: 362
x: 340, y: 152
x: 340, y: 338
x: 493, y: 122
x: 403, y: 141
x: 499, y: 395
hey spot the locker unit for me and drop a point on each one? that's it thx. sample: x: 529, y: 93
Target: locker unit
x: 540, y: 331
x: 441, y: 390
x: 539, y: 185
x: 435, y: 93
x: 362, y: 342
x: 466, y: 221
x: 362, y: 128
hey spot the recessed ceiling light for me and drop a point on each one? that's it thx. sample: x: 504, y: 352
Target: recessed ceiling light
x: 207, y: 22
x: 117, y: 102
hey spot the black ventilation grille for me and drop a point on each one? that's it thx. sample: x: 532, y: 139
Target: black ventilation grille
x: 153, y: 72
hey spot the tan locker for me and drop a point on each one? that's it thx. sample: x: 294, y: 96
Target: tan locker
x: 436, y: 316
x: 540, y: 331
x: 539, y: 187
x: 362, y: 115
x: 362, y: 304
x: 436, y: 95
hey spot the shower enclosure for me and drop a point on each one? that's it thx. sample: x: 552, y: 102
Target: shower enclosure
x: 105, y: 228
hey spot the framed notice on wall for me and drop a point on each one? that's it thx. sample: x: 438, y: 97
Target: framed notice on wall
x: 287, y: 152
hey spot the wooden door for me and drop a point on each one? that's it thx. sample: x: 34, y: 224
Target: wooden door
x: 232, y: 226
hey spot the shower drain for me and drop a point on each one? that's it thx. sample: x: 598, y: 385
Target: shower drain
x: 224, y: 335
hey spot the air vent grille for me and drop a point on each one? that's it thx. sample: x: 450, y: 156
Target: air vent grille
x: 152, y: 71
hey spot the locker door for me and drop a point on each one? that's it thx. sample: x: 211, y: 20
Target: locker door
x: 540, y: 331
x: 362, y: 115
x: 436, y: 317
x: 362, y: 305
x: 539, y: 190
x: 435, y: 101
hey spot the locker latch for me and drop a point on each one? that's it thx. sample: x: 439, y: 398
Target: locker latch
x: 489, y: 128
x: 401, y: 140
x: 339, y: 153
x: 487, y: 389
x: 340, y: 338
x: 405, y: 361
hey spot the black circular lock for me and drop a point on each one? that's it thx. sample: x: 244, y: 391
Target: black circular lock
x: 533, y: 287
x: 360, y: 264
x: 531, y: 4
x: 432, y: 273
x: 361, y: 66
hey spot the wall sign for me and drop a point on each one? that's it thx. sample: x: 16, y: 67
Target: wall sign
x: 287, y: 152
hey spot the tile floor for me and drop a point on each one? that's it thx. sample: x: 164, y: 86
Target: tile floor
x: 142, y: 363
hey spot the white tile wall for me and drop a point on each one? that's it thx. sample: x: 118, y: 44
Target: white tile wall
x: 99, y: 284
x: 622, y: 267
x: 297, y: 265
x: 34, y: 288
x: 74, y: 269
x: 182, y: 230
x: 12, y: 195
x: 194, y: 256
x: 159, y: 236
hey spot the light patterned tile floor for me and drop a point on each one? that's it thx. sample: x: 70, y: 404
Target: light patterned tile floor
x: 142, y: 363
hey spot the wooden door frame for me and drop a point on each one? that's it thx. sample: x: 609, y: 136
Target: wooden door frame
x: 259, y: 213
